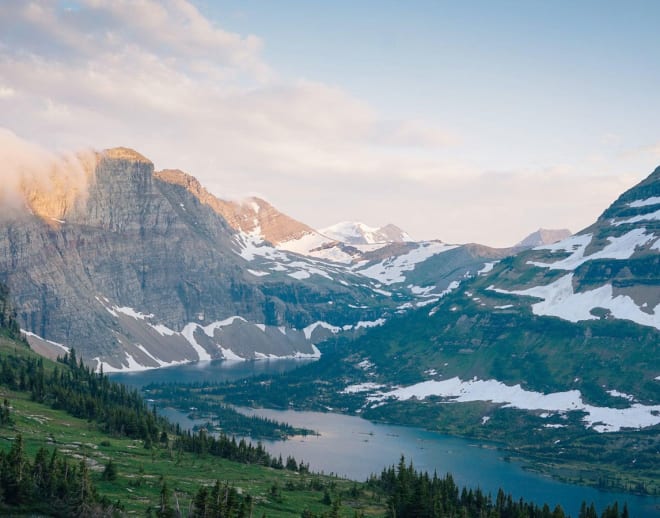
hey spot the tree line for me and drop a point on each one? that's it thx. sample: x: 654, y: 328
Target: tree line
x: 413, y: 493
x: 51, y: 484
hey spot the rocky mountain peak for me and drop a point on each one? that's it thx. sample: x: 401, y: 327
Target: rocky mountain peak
x: 394, y: 234
x: 357, y: 233
x: 248, y: 215
x: 124, y: 153
x: 544, y: 236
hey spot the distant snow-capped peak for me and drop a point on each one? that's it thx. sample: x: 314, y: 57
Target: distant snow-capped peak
x: 544, y: 236
x: 356, y: 233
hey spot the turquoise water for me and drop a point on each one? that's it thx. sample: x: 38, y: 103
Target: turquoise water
x: 353, y: 447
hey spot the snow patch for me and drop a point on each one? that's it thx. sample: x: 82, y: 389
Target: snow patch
x: 188, y: 333
x: 310, y: 329
x: 230, y: 355
x: 131, y: 313
x: 209, y: 330
x: 300, y: 275
x: 162, y: 330
x: 487, y: 267
x: 365, y: 365
x: 653, y: 200
x: 258, y: 273
x: 651, y: 216
x: 421, y: 291
x: 56, y: 344
x: 601, y: 419
x: 252, y: 245
x: 367, y: 324
x: 391, y: 270
x: 622, y: 247
x: 559, y: 300
x: 129, y: 364
x: 360, y: 387
x: 616, y: 393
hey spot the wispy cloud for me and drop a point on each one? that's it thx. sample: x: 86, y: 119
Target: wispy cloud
x: 161, y: 77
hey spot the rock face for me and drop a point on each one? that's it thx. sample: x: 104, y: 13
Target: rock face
x: 249, y: 215
x: 122, y: 272
x: 137, y: 269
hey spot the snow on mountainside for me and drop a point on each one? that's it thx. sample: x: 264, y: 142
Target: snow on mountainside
x: 567, y: 334
x: 609, y: 270
x: 543, y: 236
x: 355, y: 233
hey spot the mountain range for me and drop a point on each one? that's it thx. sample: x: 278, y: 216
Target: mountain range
x: 552, y: 353
x: 142, y: 269
x: 572, y: 326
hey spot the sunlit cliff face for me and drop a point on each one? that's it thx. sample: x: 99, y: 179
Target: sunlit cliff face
x: 46, y: 184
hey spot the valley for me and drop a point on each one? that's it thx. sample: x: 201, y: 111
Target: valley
x: 446, y: 338
x: 329, y: 259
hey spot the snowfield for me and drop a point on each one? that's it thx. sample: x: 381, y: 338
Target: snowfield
x: 559, y: 300
x: 601, y: 419
x: 361, y: 387
x: 652, y: 216
x: 390, y: 270
x: 618, y: 248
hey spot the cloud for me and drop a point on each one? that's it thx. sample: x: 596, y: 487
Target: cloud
x: 93, y: 28
x: 149, y: 69
x: 33, y: 178
x: 163, y: 79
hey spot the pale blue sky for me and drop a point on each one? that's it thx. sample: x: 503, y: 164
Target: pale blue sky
x: 520, y: 79
x: 464, y: 121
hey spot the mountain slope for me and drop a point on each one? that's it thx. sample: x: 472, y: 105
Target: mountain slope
x: 142, y: 269
x: 582, y: 314
x: 555, y: 352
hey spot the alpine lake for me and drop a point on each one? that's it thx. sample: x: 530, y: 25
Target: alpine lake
x: 352, y: 447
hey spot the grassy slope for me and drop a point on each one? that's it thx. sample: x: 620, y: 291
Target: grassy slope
x: 138, y: 483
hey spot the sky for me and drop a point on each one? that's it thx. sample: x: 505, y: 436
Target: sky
x: 474, y: 121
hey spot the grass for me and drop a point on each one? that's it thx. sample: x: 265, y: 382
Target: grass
x: 140, y: 471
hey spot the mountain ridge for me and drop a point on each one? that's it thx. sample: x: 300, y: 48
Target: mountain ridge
x: 148, y: 269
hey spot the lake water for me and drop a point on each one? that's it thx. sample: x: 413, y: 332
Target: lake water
x: 353, y: 447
